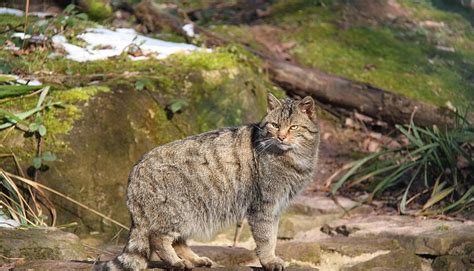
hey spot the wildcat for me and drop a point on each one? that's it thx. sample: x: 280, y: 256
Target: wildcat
x: 192, y: 187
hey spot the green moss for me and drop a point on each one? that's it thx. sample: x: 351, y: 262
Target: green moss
x: 10, y: 21
x: 79, y: 94
x: 98, y: 9
x: 380, y: 56
x: 60, y: 121
x: 40, y: 253
x: 400, y: 58
x: 204, y: 60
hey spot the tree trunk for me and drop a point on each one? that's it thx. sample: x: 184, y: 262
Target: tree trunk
x: 364, y: 98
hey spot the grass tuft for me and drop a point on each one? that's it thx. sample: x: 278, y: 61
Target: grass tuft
x: 435, y: 169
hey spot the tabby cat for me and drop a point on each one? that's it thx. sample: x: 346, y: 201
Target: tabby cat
x: 195, y: 186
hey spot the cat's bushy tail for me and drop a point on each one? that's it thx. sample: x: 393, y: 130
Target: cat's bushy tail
x: 135, y: 255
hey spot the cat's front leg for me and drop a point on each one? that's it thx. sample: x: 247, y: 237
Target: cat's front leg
x: 264, y: 230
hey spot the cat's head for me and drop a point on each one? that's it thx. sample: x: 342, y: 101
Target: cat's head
x: 289, y: 124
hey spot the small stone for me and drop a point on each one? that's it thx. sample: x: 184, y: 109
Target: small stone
x: 326, y: 135
x: 450, y: 262
x: 373, y: 146
x: 395, y: 260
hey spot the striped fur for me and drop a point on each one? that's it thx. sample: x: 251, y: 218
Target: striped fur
x: 195, y: 186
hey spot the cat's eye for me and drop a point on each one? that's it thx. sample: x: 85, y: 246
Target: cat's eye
x: 274, y: 125
x: 294, y: 127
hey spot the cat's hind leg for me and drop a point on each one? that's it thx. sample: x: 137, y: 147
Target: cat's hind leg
x: 185, y: 252
x: 163, y: 246
x: 135, y: 254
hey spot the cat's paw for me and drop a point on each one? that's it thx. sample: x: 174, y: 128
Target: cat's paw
x: 202, y: 262
x: 182, y: 265
x: 275, y: 264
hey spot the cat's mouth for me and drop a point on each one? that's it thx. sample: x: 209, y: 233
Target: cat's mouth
x: 284, y: 146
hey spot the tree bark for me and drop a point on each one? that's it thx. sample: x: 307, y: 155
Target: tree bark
x: 366, y: 99
x: 337, y: 91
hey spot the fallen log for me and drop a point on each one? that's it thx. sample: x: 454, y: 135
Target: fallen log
x: 366, y: 99
x: 326, y: 88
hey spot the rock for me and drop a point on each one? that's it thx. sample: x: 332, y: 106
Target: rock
x: 112, y: 129
x: 450, y: 262
x: 89, y: 265
x: 40, y: 244
x: 56, y: 265
x: 293, y: 224
x: 355, y: 246
x: 299, y: 251
x: 233, y: 256
x: 226, y: 256
x: 423, y: 236
x: 395, y: 260
x: 317, y: 205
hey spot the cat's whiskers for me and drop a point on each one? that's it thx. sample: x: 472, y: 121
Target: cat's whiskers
x: 266, y: 147
x: 262, y: 142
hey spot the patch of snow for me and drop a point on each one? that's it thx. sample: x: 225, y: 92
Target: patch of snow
x: 29, y: 82
x: 11, y: 11
x: 41, y: 14
x: 8, y: 223
x: 189, y: 29
x: 103, y: 43
x: 20, y: 13
x: 33, y: 82
x: 23, y: 36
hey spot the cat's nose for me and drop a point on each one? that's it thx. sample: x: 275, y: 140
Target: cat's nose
x: 281, y: 137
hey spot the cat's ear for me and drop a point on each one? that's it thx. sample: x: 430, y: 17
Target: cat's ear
x: 306, y: 105
x: 273, y: 102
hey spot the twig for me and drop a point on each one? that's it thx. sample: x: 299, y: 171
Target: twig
x: 18, y: 167
x: 27, y: 8
x: 329, y: 180
x: 238, y: 231
x: 99, y: 249
x: 7, y: 133
x: 336, y: 201
x: 21, y: 97
x: 37, y: 184
x: 116, y: 235
x: 39, y: 141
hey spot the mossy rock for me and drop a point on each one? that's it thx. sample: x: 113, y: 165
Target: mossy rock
x: 119, y: 126
x: 104, y: 129
x: 40, y: 244
x: 97, y: 9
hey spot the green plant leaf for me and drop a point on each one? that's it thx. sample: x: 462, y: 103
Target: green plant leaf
x: 177, y: 105
x: 82, y: 16
x: 42, y: 130
x: 48, y: 156
x: 33, y: 127
x: 403, y: 202
x: 9, y: 117
x: 70, y: 21
x: 438, y: 197
x: 16, y: 90
x: 140, y: 84
x: 356, y: 165
x: 37, y: 162
x: 69, y: 8
x: 7, y: 78
x: 42, y: 96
